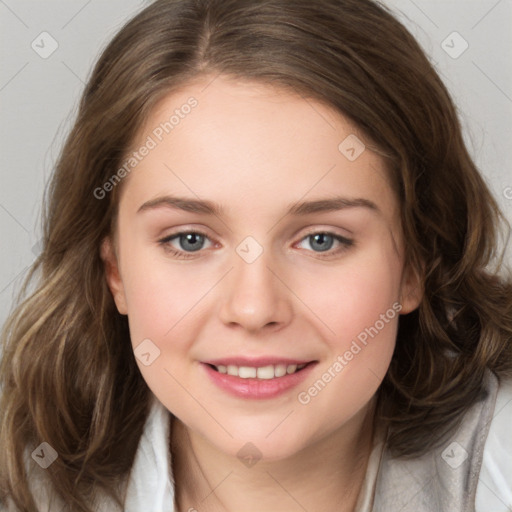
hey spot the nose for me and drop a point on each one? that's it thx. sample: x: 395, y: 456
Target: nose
x: 255, y: 296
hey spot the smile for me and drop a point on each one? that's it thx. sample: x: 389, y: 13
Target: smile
x: 258, y: 382
x: 263, y: 372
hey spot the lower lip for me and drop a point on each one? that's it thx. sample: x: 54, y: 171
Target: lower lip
x: 257, y: 388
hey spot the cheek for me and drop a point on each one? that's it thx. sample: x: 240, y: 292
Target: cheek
x: 363, y: 311
x: 159, y: 293
x: 358, y: 359
x: 356, y: 295
x: 159, y: 308
x: 150, y: 306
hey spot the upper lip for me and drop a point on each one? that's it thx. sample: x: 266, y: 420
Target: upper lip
x: 256, y: 362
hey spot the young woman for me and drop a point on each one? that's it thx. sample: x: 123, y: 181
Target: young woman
x: 268, y: 282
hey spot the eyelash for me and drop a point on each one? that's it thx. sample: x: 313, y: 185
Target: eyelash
x: 346, y: 243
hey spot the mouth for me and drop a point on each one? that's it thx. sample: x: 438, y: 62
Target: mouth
x: 262, y: 380
x: 267, y: 372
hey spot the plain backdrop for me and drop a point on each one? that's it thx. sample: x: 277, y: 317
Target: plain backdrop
x: 469, y: 42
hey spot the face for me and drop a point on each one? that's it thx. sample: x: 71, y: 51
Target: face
x: 240, y: 280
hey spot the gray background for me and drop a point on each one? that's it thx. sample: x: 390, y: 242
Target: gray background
x: 38, y: 96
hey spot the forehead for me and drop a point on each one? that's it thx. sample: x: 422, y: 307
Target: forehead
x: 251, y: 146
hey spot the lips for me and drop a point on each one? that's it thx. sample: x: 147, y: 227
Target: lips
x: 257, y: 382
x: 263, y: 377
x: 257, y: 368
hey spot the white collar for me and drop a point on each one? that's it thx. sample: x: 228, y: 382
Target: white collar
x: 151, y: 484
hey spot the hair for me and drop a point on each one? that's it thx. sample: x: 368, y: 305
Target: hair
x: 68, y: 372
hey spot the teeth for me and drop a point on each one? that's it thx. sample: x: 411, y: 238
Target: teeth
x: 263, y: 372
x: 246, y: 372
x: 280, y: 370
x: 291, y: 368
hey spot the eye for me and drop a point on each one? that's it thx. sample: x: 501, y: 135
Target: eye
x: 188, y: 240
x: 192, y: 241
x: 324, y: 240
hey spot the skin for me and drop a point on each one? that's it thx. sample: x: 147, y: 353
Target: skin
x: 255, y: 150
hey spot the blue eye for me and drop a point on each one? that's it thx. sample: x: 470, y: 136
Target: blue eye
x: 189, y: 240
x: 322, y: 241
x: 192, y: 241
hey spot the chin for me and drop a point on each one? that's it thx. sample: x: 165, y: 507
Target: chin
x: 277, y: 446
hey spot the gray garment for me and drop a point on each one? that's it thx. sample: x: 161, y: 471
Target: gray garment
x: 444, y: 479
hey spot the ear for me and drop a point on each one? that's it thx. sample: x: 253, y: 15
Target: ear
x: 114, y: 281
x: 411, y: 289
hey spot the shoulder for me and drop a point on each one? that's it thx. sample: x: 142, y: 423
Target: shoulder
x: 494, y: 490
x: 469, y: 471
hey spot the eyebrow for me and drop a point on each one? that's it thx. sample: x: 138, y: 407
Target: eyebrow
x: 298, y: 209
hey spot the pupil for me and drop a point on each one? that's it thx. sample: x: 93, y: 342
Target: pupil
x: 194, y: 239
x: 322, y: 241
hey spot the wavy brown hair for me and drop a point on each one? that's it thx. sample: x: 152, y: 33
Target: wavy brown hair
x: 68, y: 373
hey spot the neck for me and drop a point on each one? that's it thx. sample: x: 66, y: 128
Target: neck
x: 325, y: 475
